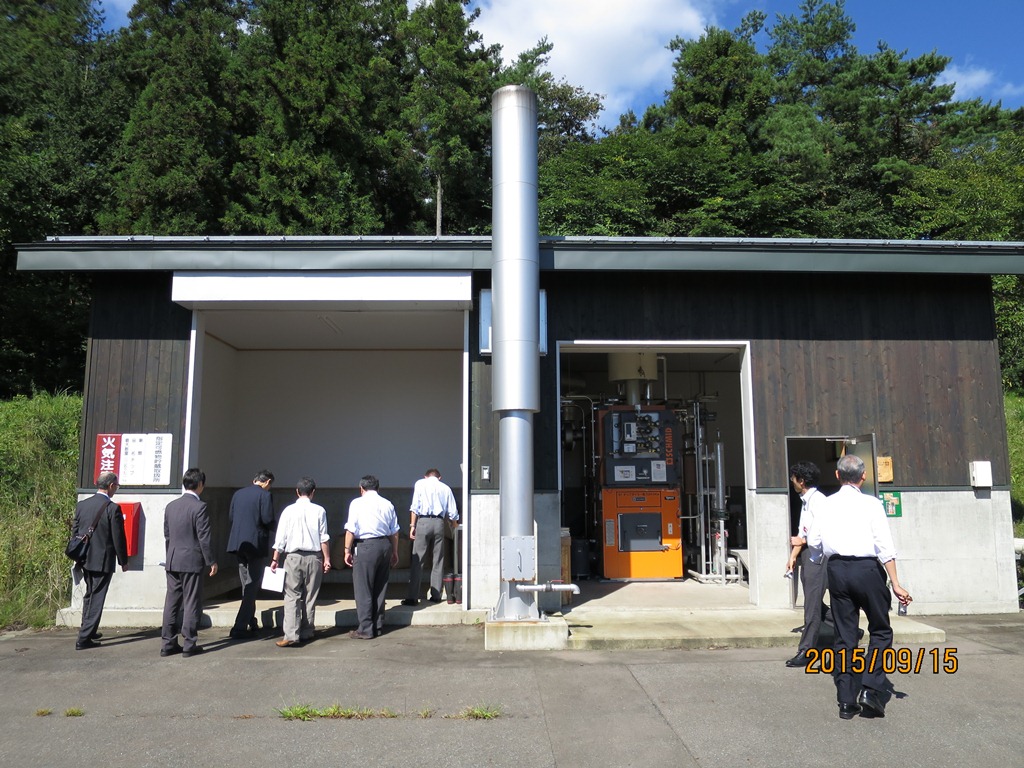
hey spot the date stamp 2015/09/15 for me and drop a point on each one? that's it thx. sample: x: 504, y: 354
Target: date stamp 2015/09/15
x: 903, y: 661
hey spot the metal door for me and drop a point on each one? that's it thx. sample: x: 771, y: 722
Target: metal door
x: 864, y: 448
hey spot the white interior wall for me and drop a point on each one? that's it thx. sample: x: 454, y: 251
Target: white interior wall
x: 332, y: 415
x: 219, y: 393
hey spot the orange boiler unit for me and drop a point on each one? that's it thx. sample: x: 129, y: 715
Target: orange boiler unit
x: 641, y: 533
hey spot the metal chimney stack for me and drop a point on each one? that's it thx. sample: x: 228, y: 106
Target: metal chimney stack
x: 515, y: 275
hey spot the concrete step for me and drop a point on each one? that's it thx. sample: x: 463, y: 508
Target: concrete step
x: 647, y: 628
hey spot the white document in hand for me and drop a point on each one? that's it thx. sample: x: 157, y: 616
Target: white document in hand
x: 273, y: 580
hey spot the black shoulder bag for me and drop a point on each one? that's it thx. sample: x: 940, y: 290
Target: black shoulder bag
x: 78, y: 546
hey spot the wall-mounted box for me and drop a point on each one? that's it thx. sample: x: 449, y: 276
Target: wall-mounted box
x: 981, y: 474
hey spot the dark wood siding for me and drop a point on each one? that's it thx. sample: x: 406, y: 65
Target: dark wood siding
x: 137, y: 364
x: 912, y: 358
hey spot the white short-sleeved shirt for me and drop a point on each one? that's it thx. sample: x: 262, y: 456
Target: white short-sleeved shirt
x: 852, y: 524
x: 302, y: 527
x: 371, y: 516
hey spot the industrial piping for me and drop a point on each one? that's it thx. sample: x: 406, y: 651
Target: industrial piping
x: 515, y: 275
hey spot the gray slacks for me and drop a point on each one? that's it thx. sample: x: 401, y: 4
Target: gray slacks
x: 814, y: 579
x: 303, y: 574
x: 429, y: 535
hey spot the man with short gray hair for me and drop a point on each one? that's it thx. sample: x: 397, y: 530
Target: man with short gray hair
x: 107, y: 544
x: 852, y: 530
x: 431, y: 511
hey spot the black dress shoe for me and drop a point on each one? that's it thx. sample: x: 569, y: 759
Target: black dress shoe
x: 193, y: 651
x: 847, y: 711
x: 170, y: 651
x: 433, y: 599
x: 81, y: 645
x: 800, y: 660
x: 96, y: 636
x: 254, y: 626
x: 871, y: 703
x: 410, y: 602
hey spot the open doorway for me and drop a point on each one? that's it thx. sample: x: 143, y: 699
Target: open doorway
x: 825, y: 452
x: 653, y: 457
x: 333, y: 390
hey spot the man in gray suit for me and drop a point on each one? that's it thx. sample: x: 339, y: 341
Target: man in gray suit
x: 106, y: 545
x: 187, y: 536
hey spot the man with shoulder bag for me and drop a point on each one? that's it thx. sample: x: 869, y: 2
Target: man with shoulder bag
x: 106, y: 549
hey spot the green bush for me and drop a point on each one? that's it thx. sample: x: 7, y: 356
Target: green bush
x: 38, y: 467
x: 1014, y: 405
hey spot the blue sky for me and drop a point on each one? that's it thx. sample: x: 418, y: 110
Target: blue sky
x: 618, y: 47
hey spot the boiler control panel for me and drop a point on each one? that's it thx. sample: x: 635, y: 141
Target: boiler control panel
x: 638, y: 446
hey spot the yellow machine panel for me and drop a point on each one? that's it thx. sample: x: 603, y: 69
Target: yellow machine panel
x: 641, y: 533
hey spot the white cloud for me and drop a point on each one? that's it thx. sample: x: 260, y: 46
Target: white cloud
x: 616, y: 48
x: 970, y: 81
x: 974, y: 82
x: 1010, y: 91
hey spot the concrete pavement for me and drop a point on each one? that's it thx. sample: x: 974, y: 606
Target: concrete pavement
x: 605, y: 616
x: 715, y: 707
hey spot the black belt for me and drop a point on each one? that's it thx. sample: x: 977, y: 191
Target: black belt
x: 428, y: 517
x: 305, y: 552
x: 851, y: 557
x: 369, y: 538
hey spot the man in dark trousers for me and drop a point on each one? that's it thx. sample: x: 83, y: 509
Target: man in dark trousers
x: 804, y: 477
x: 853, y: 531
x: 187, y: 537
x: 252, y: 516
x: 371, y: 549
x: 106, y: 545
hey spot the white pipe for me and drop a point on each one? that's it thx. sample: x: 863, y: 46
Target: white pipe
x: 548, y: 587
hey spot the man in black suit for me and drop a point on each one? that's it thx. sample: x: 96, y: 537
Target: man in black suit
x: 187, y: 537
x: 252, y: 516
x: 106, y: 545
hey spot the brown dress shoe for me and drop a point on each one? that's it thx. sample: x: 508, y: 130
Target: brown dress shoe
x: 284, y: 642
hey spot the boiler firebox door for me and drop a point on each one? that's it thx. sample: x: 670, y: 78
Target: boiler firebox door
x: 640, y: 532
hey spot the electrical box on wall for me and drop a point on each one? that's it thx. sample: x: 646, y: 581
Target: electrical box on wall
x: 981, y: 474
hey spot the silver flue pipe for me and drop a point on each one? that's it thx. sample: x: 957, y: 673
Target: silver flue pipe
x: 515, y: 276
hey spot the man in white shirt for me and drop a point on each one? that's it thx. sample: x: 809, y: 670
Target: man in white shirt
x: 804, y: 476
x: 371, y: 549
x: 431, y: 510
x: 853, y: 532
x: 303, y: 540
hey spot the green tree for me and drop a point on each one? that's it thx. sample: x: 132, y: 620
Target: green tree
x: 977, y: 193
x: 608, y: 188
x: 173, y: 158
x: 322, y: 149
x: 56, y: 127
x: 566, y: 113
x: 448, y: 111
